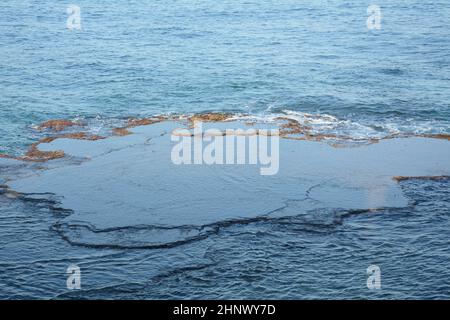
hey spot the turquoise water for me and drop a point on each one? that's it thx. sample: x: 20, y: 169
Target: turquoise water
x: 152, y: 57
x: 264, y: 58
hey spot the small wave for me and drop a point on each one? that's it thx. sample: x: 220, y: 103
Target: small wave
x: 361, y: 129
x: 323, y: 124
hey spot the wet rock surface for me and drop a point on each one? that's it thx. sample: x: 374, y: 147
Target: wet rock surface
x: 124, y: 193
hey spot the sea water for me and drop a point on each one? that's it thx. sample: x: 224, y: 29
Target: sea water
x: 315, y: 61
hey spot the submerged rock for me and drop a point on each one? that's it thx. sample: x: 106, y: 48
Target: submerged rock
x: 129, y: 194
x: 56, y: 125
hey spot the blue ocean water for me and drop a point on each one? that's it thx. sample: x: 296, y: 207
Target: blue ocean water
x: 265, y: 58
x: 150, y: 57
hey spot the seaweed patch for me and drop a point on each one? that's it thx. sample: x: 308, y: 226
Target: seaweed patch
x: 433, y: 178
x: 209, y: 117
x: 121, y: 132
x: 134, y: 122
x: 57, y: 125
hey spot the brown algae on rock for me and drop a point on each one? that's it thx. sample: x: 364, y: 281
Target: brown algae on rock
x: 432, y: 178
x: 57, y: 125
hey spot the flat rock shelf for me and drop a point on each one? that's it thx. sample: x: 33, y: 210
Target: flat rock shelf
x: 125, y: 192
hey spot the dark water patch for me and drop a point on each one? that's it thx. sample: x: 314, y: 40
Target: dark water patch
x: 392, y: 71
x: 271, y: 259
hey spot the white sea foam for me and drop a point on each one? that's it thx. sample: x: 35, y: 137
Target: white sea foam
x: 361, y: 129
